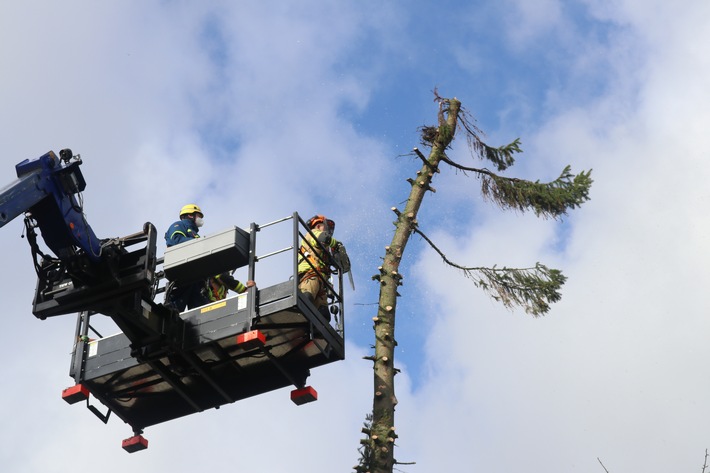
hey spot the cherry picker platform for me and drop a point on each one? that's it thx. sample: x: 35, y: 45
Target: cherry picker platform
x: 247, y: 344
x: 163, y: 365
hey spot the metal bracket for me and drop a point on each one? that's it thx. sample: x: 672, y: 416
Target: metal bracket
x: 97, y: 413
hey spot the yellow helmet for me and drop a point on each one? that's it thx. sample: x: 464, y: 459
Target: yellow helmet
x: 190, y: 209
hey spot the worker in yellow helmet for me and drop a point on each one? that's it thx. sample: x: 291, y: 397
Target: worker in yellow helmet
x: 315, y: 260
x: 179, y: 296
x: 187, y: 228
x: 200, y: 293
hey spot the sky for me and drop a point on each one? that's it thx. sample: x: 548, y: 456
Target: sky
x: 254, y: 110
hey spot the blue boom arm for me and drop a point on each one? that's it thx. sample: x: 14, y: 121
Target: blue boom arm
x: 81, y: 272
x: 48, y: 188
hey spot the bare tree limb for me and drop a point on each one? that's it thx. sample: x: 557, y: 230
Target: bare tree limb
x: 602, y: 464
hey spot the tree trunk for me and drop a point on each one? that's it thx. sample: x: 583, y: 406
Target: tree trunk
x: 382, y: 434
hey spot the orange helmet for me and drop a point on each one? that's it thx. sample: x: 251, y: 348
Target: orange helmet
x: 316, y: 219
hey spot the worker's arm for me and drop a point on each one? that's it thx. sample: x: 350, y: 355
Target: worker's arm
x: 234, y: 284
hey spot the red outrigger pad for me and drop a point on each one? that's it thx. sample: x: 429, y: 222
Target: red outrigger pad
x: 135, y: 444
x: 76, y: 393
x: 304, y: 395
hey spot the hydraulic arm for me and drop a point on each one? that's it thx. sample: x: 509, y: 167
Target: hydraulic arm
x: 47, y: 188
x: 82, y: 272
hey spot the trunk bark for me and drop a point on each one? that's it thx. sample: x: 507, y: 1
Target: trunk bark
x: 382, y: 434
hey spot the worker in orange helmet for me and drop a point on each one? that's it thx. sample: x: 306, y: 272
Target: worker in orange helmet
x: 315, y: 258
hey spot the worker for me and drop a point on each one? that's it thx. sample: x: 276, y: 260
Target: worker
x: 190, y: 295
x: 315, y: 260
x: 218, y: 286
x: 187, y: 228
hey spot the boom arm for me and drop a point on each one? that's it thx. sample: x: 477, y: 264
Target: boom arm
x: 83, y: 273
x: 47, y: 188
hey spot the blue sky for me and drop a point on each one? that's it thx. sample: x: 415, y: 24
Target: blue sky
x: 257, y: 109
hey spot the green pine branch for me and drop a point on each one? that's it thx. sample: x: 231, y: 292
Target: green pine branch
x: 365, y: 461
x: 502, y: 157
x: 533, y: 289
x: 551, y: 199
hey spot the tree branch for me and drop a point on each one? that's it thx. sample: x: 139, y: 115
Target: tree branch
x: 533, y: 289
x: 602, y: 464
x: 502, y: 157
x: 551, y: 199
x: 545, y: 199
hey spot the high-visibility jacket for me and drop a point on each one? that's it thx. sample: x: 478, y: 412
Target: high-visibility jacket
x: 181, y: 231
x: 220, y: 284
x: 313, y: 253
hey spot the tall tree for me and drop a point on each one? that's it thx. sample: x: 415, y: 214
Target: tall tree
x: 533, y: 288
